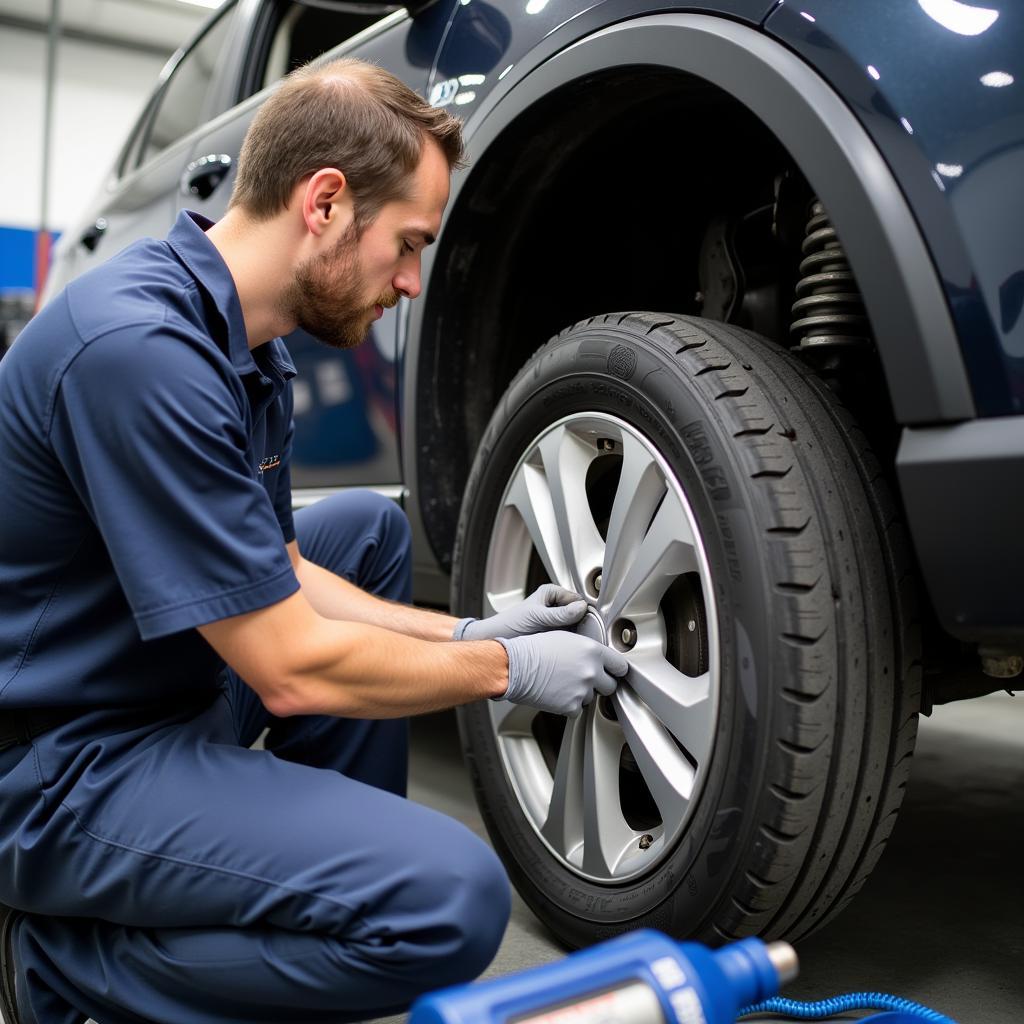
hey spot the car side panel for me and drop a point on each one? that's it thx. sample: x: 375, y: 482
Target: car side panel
x: 949, y: 122
x: 963, y: 490
x: 139, y: 205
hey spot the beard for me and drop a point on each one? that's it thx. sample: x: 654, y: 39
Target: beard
x: 326, y: 296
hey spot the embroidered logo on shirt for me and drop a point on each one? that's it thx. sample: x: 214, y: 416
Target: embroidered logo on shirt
x: 270, y: 462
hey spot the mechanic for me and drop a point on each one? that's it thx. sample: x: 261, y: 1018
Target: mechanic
x: 161, y: 609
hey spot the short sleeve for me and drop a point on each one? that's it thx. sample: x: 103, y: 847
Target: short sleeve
x: 151, y: 430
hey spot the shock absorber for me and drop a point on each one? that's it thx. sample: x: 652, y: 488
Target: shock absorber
x: 829, y: 315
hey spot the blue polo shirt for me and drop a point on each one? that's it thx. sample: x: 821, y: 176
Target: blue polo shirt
x: 144, y: 454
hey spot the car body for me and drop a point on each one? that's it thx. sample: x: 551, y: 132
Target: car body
x: 641, y: 155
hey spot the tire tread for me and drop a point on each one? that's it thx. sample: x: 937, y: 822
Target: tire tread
x: 820, y: 893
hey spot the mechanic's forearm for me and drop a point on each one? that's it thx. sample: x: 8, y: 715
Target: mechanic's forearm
x: 334, y: 597
x: 360, y: 671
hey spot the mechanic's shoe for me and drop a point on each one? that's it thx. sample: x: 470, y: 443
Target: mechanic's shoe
x: 8, y: 1006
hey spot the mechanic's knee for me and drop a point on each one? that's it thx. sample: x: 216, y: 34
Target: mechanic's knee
x: 389, y: 571
x: 362, y: 536
x: 451, y: 929
x: 396, y: 531
x: 451, y: 910
x: 480, y: 912
x: 378, y: 516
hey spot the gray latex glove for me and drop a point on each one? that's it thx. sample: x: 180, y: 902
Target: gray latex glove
x: 559, y: 671
x: 548, y: 607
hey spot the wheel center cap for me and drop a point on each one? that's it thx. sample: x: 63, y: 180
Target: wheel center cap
x: 591, y: 626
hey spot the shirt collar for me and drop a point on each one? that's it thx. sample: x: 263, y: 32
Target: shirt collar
x: 188, y: 239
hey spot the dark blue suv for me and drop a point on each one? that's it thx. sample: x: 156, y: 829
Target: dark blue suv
x: 724, y: 330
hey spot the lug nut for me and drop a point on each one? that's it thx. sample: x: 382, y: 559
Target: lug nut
x: 625, y: 634
x: 605, y: 444
x: 595, y: 581
x: 645, y: 841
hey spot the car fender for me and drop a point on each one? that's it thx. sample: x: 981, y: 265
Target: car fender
x: 937, y: 85
x: 902, y: 290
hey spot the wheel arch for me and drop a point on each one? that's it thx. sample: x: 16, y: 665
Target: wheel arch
x: 913, y: 328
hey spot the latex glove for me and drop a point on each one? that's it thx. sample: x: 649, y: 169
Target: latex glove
x: 548, y: 607
x: 560, y: 671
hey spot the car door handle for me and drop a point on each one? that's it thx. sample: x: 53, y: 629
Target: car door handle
x: 202, y: 176
x: 92, y: 234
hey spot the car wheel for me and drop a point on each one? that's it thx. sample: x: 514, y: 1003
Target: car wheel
x: 728, y: 525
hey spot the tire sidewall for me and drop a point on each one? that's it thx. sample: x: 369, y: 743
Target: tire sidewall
x: 613, y: 372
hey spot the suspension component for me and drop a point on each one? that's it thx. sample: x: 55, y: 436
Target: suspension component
x: 829, y: 310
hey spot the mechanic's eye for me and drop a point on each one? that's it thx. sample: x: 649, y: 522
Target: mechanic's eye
x: 406, y: 246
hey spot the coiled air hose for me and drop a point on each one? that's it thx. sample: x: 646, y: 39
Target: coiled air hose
x: 824, y: 1008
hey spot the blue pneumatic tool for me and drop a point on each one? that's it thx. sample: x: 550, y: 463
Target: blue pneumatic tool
x: 647, y: 978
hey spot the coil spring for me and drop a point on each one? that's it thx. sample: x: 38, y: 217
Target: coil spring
x: 829, y: 310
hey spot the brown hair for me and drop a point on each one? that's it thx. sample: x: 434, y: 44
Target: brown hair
x: 346, y: 114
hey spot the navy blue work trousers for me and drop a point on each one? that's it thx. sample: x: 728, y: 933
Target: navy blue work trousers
x: 175, y: 875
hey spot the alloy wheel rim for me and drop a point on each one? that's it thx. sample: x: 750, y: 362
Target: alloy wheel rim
x: 592, y: 506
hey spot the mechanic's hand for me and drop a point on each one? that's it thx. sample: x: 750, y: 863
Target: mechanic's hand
x: 560, y: 671
x: 548, y: 607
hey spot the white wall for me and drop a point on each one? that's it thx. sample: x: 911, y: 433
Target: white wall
x: 100, y: 91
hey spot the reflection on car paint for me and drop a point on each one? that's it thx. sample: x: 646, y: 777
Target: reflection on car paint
x: 344, y: 410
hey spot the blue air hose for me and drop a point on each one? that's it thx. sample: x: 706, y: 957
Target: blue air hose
x: 824, y: 1008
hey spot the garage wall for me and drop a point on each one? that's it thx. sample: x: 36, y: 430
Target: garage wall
x: 100, y: 91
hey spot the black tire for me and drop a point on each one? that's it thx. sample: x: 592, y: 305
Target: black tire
x: 818, y: 671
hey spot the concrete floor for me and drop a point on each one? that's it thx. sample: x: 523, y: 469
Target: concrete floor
x: 941, y: 921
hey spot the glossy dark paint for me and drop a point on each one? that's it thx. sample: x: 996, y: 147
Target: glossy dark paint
x: 929, y: 78
x: 490, y: 37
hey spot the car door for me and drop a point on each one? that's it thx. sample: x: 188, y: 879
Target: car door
x: 139, y: 198
x: 345, y: 400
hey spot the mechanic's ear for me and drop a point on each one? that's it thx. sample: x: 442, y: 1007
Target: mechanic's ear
x: 326, y: 195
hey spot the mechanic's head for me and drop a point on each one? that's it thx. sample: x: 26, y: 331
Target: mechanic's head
x: 346, y: 114
x: 360, y: 164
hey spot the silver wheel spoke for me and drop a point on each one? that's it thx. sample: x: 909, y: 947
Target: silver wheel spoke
x: 566, y: 460
x: 667, y: 551
x: 498, y: 601
x: 606, y: 836
x: 512, y: 720
x: 669, y: 776
x: 681, y: 703
x: 563, y: 828
x: 530, y: 495
x: 641, y: 487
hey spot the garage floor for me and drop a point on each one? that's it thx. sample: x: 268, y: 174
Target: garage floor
x: 941, y: 920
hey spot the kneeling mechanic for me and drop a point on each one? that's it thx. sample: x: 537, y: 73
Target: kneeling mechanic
x: 161, y: 608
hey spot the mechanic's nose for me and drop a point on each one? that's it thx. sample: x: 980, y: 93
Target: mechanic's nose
x: 407, y: 283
